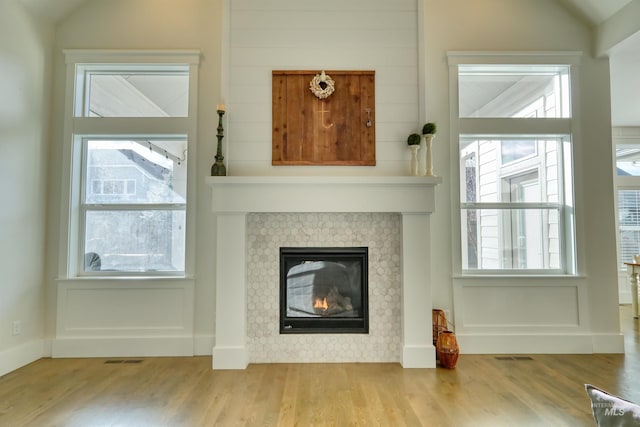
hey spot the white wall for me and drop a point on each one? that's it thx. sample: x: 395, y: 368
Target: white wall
x: 538, y: 25
x: 24, y: 84
x: 452, y: 25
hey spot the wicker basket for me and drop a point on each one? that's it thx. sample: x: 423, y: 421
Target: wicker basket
x: 447, y: 349
x: 439, y: 321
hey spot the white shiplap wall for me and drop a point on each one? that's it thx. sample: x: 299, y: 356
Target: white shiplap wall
x: 266, y: 35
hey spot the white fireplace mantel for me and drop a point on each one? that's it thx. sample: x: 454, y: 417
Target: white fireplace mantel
x: 235, y: 196
x: 404, y: 194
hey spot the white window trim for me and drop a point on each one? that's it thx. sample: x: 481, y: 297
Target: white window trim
x: 543, y: 127
x: 75, y: 128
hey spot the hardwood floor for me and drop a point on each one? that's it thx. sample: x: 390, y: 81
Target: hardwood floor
x: 483, y: 390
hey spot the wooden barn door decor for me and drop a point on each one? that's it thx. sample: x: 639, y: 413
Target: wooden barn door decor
x: 316, y: 124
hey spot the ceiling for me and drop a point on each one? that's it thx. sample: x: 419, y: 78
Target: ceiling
x: 624, y: 57
x: 594, y: 12
x: 54, y: 10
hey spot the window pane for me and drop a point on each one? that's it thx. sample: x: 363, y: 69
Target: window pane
x: 137, y: 94
x: 512, y: 151
x: 518, y: 239
x: 136, y: 172
x: 629, y: 225
x: 510, y: 170
x: 135, y: 241
x: 534, y: 91
x: 628, y: 160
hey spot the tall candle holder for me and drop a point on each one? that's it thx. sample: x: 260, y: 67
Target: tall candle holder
x: 218, y: 168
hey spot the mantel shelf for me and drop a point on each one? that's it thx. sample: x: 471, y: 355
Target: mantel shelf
x: 331, y: 180
x: 242, y: 194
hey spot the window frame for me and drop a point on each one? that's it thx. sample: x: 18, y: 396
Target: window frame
x: 562, y: 129
x: 79, y: 127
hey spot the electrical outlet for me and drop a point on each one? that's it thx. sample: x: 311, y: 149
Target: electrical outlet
x: 16, y: 327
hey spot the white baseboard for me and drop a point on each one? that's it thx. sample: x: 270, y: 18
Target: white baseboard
x: 624, y: 297
x: 228, y: 357
x: 21, y: 355
x: 422, y: 356
x: 608, y: 343
x: 540, y: 344
x: 123, y: 347
x: 203, y: 345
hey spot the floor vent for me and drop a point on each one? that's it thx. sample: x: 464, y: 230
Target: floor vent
x: 123, y: 361
x: 514, y: 358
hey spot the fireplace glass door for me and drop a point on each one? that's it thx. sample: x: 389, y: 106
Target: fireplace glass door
x: 323, y: 290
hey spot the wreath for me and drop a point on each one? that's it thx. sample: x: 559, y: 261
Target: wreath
x: 322, y: 85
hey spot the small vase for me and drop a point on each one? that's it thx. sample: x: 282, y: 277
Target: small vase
x: 428, y: 139
x: 447, y: 349
x: 414, y: 159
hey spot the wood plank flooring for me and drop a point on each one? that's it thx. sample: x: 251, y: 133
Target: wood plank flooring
x: 483, y: 390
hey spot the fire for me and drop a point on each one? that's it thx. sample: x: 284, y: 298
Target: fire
x: 321, y: 303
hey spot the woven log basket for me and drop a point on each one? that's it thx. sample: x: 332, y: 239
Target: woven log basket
x: 447, y: 349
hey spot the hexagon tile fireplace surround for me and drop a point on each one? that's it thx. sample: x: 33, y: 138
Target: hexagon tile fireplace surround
x: 233, y: 197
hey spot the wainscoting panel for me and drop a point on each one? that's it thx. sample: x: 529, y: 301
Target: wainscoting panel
x: 495, y: 315
x: 521, y: 306
x: 124, y: 318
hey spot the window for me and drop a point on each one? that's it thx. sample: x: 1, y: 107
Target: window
x: 516, y: 186
x: 131, y: 127
x: 628, y: 202
x: 514, y: 91
x: 628, y: 225
x: 512, y: 208
x: 134, y: 91
x: 141, y: 194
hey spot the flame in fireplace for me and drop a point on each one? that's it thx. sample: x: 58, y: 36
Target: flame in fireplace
x: 321, y: 303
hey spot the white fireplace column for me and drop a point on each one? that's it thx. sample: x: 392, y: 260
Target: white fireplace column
x: 230, y: 350
x: 234, y: 197
x: 417, y: 341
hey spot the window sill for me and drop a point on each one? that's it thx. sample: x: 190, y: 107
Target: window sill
x: 535, y: 276
x: 125, y: 278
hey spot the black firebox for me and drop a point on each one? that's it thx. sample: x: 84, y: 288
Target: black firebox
x: 324, y: 290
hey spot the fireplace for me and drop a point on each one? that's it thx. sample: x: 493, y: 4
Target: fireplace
x: 247, y: 299
x: 324, y: 290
